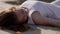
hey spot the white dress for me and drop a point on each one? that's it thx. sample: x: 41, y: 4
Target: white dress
x: 45, y: 9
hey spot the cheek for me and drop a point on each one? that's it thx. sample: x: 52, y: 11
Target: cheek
x: 25, y: 16
x: 20, y: 18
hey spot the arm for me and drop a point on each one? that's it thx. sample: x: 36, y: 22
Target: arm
x: 38, y: 19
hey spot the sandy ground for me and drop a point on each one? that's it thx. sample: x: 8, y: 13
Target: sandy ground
x: 34, y: 29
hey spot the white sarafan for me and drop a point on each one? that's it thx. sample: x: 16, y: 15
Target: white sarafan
x: 45, y: 9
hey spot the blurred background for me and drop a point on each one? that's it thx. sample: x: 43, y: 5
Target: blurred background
x: 18, y: 2
x: 7, y: 3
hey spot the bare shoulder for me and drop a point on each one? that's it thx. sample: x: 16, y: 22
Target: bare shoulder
x: 35, y: 16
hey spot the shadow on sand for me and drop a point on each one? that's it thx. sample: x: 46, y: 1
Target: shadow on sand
x: 32, y: 30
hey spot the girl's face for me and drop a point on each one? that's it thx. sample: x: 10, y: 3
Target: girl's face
x: 22, y: 15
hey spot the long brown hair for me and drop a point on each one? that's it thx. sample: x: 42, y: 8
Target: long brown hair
x: 8, y: 20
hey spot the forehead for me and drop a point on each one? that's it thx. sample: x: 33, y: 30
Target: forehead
x: 23, y: 9
x: 20, y: 11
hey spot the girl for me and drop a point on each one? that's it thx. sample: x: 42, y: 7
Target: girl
x: 41, y: 13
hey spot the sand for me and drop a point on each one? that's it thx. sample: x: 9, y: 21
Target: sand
x: 36, y: 30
